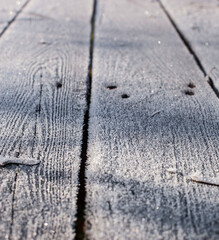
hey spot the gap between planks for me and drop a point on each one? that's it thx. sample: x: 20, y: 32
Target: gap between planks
x: 190, y: 49
x: 81, y: 197
x: 14, y: 18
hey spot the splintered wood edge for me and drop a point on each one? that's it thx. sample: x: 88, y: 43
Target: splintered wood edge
x: 25, y: 161
x: 209, y: 181
x: 196, y: 178
x: 172, y: 170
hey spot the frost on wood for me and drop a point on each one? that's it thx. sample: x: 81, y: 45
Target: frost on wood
x: 25, y: 161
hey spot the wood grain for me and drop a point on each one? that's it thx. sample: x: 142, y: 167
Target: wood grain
x: 151, y: 110
x: 43, y: 76
x: 199, y: 23
x: 9, y: 10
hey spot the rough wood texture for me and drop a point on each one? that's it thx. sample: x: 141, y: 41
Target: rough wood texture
x: 9, y: 9
x: 199, y: 23
x: 163, y: 114
x: 43, y: 76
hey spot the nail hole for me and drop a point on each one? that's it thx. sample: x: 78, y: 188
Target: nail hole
x: 125, y: 96
x: 58, y: 85
x: 191, y: 85
x: 111, y: 87
x: 190, y: 93
x: 16, y: 154
x: 44, y: 43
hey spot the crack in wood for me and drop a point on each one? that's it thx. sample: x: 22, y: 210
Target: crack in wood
x: 12, y: 207
x: 38, y: 111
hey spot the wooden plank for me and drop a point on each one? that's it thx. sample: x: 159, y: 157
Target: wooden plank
x: 199, y: 23
x: 146, y: 117
x: 9, y: 9
x: 43, y: 76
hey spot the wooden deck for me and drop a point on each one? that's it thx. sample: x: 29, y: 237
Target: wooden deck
x: 118, y: 100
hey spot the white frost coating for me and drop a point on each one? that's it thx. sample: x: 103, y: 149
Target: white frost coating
x: 39, y: 118
x: 131, y: 146
x: 25, y: 161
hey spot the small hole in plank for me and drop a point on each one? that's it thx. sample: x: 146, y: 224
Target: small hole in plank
x: 111, y: 87
x: 190, y: 93
x: 16, y: 154
x: 191, y: 85
x: 125, y: 95
x: 44, y: 43
x: 58, y: 85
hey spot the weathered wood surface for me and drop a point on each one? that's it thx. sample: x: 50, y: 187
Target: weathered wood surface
x: 166, y: 122
x: 43, y: 77
x: 9, y: 9
x: 199, y: 23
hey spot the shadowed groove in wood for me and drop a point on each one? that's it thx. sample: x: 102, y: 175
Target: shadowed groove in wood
x: 12, y: 205
x: 81, y: 202
x: 189, y: 47
x: 37, y: 113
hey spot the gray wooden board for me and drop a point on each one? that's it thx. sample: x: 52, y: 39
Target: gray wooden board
x: 48, y: 44
x: 134, y: 141
x: 8, y: 10
x: 199, y: 22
